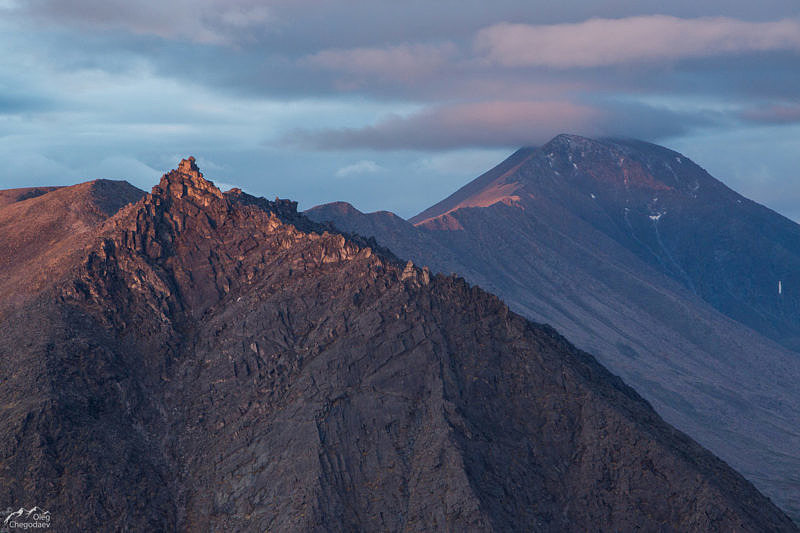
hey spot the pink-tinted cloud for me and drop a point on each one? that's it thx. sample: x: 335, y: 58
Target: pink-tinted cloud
x: 654, y: 38
x: 773, y: 114
x: 400, y: 63
x: 499, y: 123
x: 503, y: 123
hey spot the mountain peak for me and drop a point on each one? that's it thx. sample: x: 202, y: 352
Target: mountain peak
x: 202, y: 330
x: 569, y: 140
x: 569, y: 148
x: 189, y: 167
x: 187, y: 180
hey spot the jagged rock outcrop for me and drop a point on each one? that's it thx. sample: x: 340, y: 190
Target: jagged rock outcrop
x: 220, y: 362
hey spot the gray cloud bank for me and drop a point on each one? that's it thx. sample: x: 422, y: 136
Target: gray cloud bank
x: 500, y: 124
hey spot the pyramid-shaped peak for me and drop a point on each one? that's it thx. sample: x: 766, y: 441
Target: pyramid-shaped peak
x: 187, y: 180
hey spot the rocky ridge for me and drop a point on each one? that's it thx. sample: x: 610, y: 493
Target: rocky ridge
x: 640, y: 257
x: 217, y: 361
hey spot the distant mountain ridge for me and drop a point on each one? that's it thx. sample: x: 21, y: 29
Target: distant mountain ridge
x: 208, y: 361
x: 42, y: 228
x: 639, y: 256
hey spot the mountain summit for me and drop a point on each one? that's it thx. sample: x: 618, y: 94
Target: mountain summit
x: 665, y: 209
x: 684, y: 288
x: 215, y: 362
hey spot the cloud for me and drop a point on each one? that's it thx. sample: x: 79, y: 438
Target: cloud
x: 122, y: 167
x: 199, y: 21
x: 496, y: 124
x: 23, y: 167
x: 474, y: 124
x: 11, y: 104
x: 776, y: 113
x: 364, y: 166
x: 86, y: 82
x: 404, y: 63
x: 652, y: 38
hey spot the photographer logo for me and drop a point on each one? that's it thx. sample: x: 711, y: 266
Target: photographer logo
x: 24, y: 519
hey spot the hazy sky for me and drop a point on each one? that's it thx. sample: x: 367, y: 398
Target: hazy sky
x: 391, y: 105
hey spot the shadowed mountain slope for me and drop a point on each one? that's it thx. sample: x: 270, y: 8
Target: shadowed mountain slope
x: 219, y: 362
x: 640, y: 257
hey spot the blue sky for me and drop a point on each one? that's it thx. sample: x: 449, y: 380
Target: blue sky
x: 391, y: 105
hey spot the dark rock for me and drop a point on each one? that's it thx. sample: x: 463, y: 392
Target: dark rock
x: 637, y: 255
x: 217, y: 362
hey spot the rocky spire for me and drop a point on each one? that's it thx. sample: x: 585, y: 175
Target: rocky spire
x: 187, y: 180
x: 189, y: 167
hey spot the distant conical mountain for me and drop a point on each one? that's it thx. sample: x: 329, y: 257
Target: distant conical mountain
x: 639, y: 256
x: 200, y: 361
x: 667, y: 210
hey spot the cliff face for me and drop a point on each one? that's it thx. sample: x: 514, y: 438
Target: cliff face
x: 638, y: 256
x: 219, y: 362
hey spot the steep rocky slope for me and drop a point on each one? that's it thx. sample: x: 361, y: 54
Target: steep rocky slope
x: 219, y: 362
x: 640, y: 257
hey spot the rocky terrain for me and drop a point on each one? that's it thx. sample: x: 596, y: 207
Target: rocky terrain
x: 200, y: 361
x: 640, y: 257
